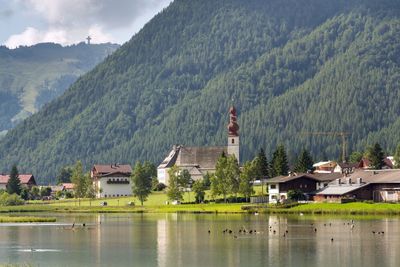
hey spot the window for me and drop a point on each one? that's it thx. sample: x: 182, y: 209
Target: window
x: 233, y: 141
x: 272, y: 186
x: 273, y: 197
x: 305, y: 186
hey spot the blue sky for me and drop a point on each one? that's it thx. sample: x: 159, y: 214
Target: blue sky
x: 27, y: 22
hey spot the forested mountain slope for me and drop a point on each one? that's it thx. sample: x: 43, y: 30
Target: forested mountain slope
x: 32, y: 76
x: 290, y: 66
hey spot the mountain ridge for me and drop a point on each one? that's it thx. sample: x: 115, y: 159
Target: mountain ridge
x: 319, y: 67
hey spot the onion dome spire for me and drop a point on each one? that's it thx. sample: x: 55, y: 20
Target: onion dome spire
x: 233, y: 127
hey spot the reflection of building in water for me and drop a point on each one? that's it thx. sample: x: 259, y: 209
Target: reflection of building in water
x: 162, y: 242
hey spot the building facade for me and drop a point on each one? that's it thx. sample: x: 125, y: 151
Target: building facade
x: 201, y: 160
x: 112, y: 180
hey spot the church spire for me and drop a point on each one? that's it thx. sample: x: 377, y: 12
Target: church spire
x: 233, y: 127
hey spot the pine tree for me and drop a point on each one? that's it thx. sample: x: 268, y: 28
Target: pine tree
x: 279, y: 162
x: 355, y: 157
x: 304, y: 162
x: 14, y: 183
x: 376, y: 156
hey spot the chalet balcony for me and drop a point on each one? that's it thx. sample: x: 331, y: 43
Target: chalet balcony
x: 117, y: 181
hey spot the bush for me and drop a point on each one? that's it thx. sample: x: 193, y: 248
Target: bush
x: 160, y: 187
x: 10, y: 200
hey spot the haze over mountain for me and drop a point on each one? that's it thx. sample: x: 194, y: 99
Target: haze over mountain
x: 289, y: 65
x: 32, y: 76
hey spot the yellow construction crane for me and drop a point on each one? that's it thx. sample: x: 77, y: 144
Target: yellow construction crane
x: 343, y: 135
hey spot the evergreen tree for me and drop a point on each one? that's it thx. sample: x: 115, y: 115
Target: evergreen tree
x: 261, y: 165
x: 396, y: 157
x: 376, y: 156
x: 304, y: 162
x: 14, y: 183
x: 247, y: 179
x: 64, y: 175
x: 279, y: 162
x: 141, y: 182
x: 174, y: 191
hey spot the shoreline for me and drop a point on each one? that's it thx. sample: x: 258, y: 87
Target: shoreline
x: 356, y: 208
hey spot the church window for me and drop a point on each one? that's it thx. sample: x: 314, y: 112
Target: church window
x: 233, y: 141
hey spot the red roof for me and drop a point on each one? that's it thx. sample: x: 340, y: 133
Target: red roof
x: 68, y: 186
x: 24, y: 178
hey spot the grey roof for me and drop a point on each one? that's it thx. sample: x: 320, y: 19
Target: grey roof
x: 340, y: 189
x: 319, y: 177
x: 203, y: 157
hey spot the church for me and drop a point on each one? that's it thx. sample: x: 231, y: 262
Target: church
x: 200, y: 160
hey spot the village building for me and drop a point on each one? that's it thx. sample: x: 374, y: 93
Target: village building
x: 69, y: 187
x: 366, y: 164
x: 112, y: 180
x: 201, y: 160
x: 377, y: 186
x: 307, y: 183
x: 346, y: 168
x: 27, y: 180
x: 324, y: 166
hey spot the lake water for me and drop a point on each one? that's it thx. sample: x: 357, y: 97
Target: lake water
x: 183, y: 240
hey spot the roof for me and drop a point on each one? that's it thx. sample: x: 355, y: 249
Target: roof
x: 24, y: 178
x: 340, y: 189
x: 368, y: 177
x: 319, y: 177
x: 203, y: 157
x: 365, y: 163
x: 68, y: 186
x: 322, y: 163
x: 103, y: 170
x: 348, y: 165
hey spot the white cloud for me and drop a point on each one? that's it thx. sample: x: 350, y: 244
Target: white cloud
x: 70, y: 21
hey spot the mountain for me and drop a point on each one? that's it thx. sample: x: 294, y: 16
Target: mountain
x: 290, y: 66
x: 32, y: 76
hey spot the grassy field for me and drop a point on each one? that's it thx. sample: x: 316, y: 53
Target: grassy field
x: 336, y: 208
x: 25, y: 219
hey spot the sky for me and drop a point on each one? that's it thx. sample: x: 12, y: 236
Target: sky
x: 27, y: 22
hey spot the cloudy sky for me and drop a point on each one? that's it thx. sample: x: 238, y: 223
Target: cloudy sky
x: 27, y: 22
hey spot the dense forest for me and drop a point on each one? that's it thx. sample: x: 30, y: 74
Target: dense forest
x: 31, y: 76
x: 289, y: 66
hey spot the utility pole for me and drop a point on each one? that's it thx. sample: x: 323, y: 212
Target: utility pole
x: 343, y: 136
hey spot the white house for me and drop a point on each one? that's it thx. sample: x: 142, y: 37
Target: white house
x: 112, y: 180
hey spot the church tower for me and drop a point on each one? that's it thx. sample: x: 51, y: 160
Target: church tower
x: 233, y: 134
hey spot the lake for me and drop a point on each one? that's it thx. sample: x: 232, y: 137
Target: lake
x: 183, y: 240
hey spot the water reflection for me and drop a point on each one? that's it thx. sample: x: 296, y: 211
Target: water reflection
x: 183, y: 240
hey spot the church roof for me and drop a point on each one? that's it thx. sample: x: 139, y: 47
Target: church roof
x: 202, y: 157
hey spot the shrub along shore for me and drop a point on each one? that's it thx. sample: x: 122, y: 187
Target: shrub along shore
x: 356, y: 208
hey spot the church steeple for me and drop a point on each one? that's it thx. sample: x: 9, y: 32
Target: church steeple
x: 233, y: 133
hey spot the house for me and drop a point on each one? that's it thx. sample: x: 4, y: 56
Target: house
x: 201, y: 160
x: 27, y: 180
x: 69, y: 187
x: 366, y: 164
x: 346, y: 168
x: 324, y: 166
x: 112, y: 180
x: 278, y: 187
x: 378, y: 186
